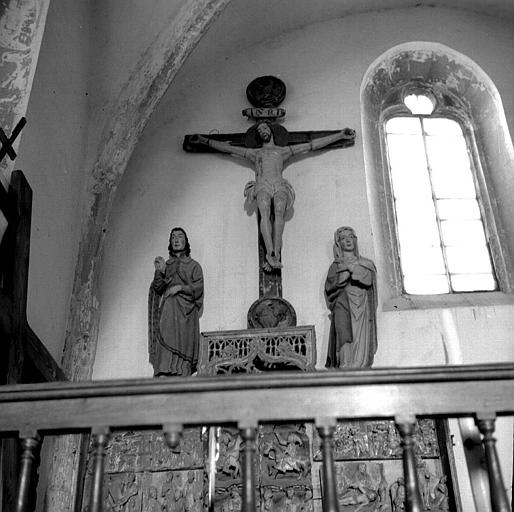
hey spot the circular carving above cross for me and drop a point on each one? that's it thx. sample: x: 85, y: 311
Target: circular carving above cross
x: 271, y: 312
x: 266, y: 91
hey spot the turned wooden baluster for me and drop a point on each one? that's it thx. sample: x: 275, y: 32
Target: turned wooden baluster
x: 248, y: 433
x: 29, y: 442
x: 100, y: 439
x: 326, y: 428
x: 172, y: 434
x: 485, y: 423
x: 405, y: 426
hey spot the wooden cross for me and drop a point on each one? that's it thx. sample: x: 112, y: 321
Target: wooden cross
x: 268, y: 146
x: 7, y: 142
x: 270, y: 280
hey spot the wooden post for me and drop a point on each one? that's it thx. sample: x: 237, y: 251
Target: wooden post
x: 405, y: 426
x: 326, y: 428
x: 248, y: 432
x: 29, y: 442
x: 100, y: 438
x: 485, y: 423
x: 21, y: 195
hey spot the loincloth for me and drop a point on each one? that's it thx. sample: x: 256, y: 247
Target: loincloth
x: 272, y: 188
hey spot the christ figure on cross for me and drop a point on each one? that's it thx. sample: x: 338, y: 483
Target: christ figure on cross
x: 270, y: 189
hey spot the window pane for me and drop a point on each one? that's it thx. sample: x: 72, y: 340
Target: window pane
x: 450, y: 167
x: 403, y: 125
x: 436, y: 207
x: 442, y: 126
x: 409, y: 174
x: 417, y: 223
x: 473, y: 282
x: 447, y: 153
x: 422, y: 260
x: 468, y: 260
x: 425, y: 284
x: 463, y: 232
x: 453, y: 184
x: 458, y: 209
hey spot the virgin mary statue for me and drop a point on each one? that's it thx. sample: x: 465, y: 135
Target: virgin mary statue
x: 350, y: 292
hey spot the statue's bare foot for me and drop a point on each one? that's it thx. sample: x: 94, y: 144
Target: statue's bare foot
x: 275, y: 263
x: 271, y: 262
x: 267, y: 267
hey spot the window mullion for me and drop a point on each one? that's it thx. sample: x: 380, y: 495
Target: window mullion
x: 434, y: 201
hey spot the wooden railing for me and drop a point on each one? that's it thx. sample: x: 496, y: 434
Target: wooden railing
x: 31, y: 411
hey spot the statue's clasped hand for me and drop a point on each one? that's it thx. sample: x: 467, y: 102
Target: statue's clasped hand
x: 173, y: 290
x: 345, y: 267
x: 160, y: 264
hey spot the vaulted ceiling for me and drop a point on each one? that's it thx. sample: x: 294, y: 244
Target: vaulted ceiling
x: 247, y: 22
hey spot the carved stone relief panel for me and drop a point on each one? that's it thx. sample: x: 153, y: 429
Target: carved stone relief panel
x: 283, y: 469
x: 228, y: 463
x: 154, y: 491
x: 374, y: 486
x: 354, y: 440
x: 228, y: 499
x: 143, y: 474
x: 284, y: 455
x: 147, y: 451
x: 295, y: 498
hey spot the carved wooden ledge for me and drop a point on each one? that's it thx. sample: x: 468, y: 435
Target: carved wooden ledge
x: 256, y: 350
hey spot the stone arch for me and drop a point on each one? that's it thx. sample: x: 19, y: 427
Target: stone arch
x: 136, y: 102
x: 438, y: 65
x: 138, y: 99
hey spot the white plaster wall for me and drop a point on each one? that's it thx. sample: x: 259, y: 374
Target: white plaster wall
x: 322, y: 66
x: 51, y: 156
x: 121, y: 32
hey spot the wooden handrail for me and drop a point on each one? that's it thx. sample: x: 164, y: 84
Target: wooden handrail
x: 483, y: 391
x: 451, y: 391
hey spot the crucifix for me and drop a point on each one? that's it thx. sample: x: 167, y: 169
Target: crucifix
x: 7, y: 142
x: 269, y: 146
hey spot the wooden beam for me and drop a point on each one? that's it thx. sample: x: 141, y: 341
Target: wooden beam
x: 238, y: 139
x: 385, y: 393
x: 17, y: 272
x: 5, y: 203
x: 41, y: 359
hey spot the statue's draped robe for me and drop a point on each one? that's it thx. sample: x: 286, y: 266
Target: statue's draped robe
x: 174, y: 332
x: 351, y: 299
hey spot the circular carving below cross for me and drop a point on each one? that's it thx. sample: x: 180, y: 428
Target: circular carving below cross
x: 266, y: 91
x: 271, y: 312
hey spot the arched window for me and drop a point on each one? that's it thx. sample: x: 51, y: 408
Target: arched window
x: 439, y: 166
x: 440, y: 222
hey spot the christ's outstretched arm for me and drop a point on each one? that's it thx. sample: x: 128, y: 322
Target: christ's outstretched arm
x: 223, y: 146
x: 321, y: 142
